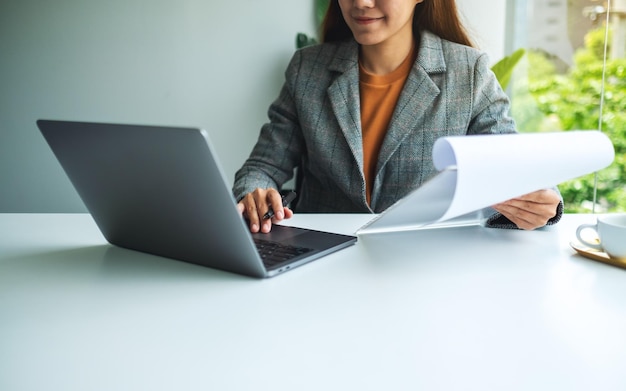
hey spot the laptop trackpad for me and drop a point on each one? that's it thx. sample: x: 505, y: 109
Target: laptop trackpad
x: 301, y: 237
x: 280, y: 233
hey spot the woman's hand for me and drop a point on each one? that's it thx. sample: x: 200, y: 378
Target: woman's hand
x: 531, y: 210
x: 257, y: 203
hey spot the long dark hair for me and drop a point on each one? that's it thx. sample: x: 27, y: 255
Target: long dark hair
x: 440, y: 17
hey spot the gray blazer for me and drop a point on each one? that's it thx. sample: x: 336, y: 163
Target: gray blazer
x: 315, y: 124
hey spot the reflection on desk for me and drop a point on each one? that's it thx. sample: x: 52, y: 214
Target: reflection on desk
x: 446, y: 309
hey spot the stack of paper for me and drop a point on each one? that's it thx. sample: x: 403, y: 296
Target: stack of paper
x: 479, y: 171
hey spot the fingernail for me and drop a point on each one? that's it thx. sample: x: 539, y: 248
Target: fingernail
x: 254, y: 228
x: 280, y: 215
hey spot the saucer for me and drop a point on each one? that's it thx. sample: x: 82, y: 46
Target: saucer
x: 597, y: 255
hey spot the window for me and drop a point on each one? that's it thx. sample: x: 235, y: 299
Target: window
x: 573, y: 77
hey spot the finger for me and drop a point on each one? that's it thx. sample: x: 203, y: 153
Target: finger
x: 523, y: 218
x: 520, y: 223
x: 260, y: 200
x: 287, y: 214
x: 276, y: 202
x: 265, y: 199
x: 545, y: 210
x: 251, y: 212
x: 546, y: 196
x: 256, y: 205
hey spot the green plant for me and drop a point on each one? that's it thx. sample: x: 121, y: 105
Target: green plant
x: 503, y: 69
x: 572, y: 101
x: 302, y: 39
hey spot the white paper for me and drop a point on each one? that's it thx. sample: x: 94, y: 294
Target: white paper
x: 479, y: 171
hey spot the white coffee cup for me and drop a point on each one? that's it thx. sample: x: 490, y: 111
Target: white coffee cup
x: 611, y: 230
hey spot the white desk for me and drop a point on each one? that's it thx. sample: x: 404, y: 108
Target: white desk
x: 449, y: 309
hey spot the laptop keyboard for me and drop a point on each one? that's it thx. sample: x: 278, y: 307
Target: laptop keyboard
x: 273, y: 253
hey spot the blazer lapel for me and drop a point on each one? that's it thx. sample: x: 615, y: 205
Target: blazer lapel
x: 344, y: 98
x: 413, y: 106
x: 411, y: 111
x: 415, y: 101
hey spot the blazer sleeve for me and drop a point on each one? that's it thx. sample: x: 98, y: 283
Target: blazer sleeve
x: 278, y: 149
x: 490, y: 104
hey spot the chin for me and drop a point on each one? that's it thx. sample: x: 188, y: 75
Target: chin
x: 367, y: 41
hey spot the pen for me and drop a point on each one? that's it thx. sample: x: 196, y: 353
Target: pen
x: 286, y: 200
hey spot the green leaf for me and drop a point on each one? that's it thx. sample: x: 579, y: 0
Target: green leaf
x: 320, y: 10
x: 303, y: 40
x: 504, y: 68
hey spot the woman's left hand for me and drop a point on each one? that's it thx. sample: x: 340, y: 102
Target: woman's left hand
x: 531, y: 210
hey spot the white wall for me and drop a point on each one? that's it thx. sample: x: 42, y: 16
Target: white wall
x: 212, y: 64
x: 486, y: 22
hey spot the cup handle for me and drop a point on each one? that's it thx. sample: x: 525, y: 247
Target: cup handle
x: 583, y: 227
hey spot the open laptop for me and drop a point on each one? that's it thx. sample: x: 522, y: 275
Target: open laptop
x: 161, y: 190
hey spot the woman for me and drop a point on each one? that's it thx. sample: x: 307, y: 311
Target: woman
x: 359, y: 114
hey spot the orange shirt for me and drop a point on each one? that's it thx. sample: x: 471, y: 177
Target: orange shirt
x: 379, y: 95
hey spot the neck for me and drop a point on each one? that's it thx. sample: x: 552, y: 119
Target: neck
x: 385, y: 57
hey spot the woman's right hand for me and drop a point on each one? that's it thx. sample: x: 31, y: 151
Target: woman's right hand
x: 257, y: 203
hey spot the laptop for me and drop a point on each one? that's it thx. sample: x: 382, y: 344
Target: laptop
x: 161, y: 190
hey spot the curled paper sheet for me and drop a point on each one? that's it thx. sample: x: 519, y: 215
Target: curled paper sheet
x: 479, y: 171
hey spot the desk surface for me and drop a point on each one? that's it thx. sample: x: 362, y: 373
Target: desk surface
x: 447, y: 309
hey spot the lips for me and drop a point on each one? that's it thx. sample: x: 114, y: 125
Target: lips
x: 365, y: 20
